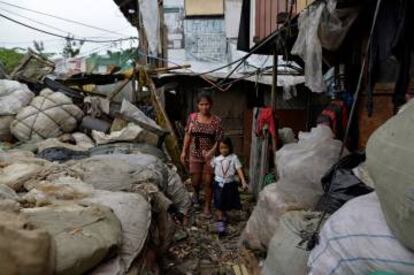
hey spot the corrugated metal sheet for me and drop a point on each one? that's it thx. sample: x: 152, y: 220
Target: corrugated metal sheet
x: 266, y: 16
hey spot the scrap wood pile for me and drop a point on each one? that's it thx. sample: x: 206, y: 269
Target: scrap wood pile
x: 85, y: 187
x: 352, y: 216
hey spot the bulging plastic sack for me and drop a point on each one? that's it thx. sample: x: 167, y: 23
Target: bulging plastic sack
x: 13, y: 97
x: 357, y: 240
x: 390, y: 163
x: 275, y: 200
x: 309, y: 159
x: 287, y: 253
x: 49, y: 115
x: 134, y: 213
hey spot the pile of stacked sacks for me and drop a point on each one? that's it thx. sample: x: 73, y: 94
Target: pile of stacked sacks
x: 355, y: 217
x: 82, y: 202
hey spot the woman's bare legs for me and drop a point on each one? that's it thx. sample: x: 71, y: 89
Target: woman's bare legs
x: 196, y: 179
x: 208, y: 191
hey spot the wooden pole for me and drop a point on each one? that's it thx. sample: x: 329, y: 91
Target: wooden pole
x: 163, y: 36
x: 273, y: 102
x: 143, y: 45
x: 273, y: 99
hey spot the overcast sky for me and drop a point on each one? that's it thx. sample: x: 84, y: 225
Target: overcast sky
x: 102, y: 13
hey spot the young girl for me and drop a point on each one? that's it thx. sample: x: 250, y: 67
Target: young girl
x: 226, y: 194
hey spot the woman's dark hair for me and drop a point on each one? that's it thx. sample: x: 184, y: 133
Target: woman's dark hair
x: 227, y: 141
x: 205, y: 95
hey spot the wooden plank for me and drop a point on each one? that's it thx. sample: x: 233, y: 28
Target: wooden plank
x: 268, y: 17
x: 257, y: 19
x: 262, y: 19
x: 171, y: 141
x: 383, y: 110
x: 247, y: 134
x: 274, y: 15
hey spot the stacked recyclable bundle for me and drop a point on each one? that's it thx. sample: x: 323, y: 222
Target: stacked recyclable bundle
x: 374, y: 233
x: 74, y: 201
x: 300, y: 167
x: 91, y: 215
x: 370, y: 234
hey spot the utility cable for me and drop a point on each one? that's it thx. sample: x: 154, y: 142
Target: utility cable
x: 32, y: 20
x: 61, y: 18
x: 66, y: 37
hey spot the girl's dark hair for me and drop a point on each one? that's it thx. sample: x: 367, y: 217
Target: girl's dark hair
x: 206, y: 96
x: 227, y: 141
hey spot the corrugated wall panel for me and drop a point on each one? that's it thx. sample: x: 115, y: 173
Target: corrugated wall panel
x: 266, y: 16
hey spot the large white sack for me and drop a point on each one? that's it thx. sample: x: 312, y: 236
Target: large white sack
x: 49, y: 115
x: 24, y: 248
x: 274, y: 201
x: 5, y: 134
x: 177, y: 192
x: 64, y: 188
x: 20, y: 169
x: 357, y: 240
x: 84, y: 235
x: 309, y: 159
x: 121, y: 172
x: 134, y: 213
x: 15, y: 174
x: 9, y: 200
x: 13, y: 97
x: 390, y: 162
x: 287, y: 254
x: 128, y: 148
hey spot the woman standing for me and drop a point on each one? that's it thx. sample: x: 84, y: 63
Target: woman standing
x: 202, y: 134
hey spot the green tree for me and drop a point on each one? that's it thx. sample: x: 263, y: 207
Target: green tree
x: 10, y: 58
x: 124, y: 56
x: 72, y: 48
x: 39, y: 46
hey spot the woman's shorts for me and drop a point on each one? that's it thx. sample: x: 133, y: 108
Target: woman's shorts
x: 200, y: 167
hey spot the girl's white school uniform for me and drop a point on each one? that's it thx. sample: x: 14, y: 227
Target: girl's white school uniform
x: 225, y: 168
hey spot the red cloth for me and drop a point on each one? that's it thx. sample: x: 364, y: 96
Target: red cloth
x: 266, y: 116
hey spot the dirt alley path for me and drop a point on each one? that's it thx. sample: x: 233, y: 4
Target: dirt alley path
x: 197, y: 249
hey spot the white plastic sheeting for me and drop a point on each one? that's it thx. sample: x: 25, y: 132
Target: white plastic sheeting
x: 321, y: 25
x: 357, y: 240
x: 148, y: 10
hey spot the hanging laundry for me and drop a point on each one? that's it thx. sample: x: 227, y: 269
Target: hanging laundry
x: 266, y: 117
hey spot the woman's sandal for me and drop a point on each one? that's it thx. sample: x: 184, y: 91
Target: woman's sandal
x: 207, y: 215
